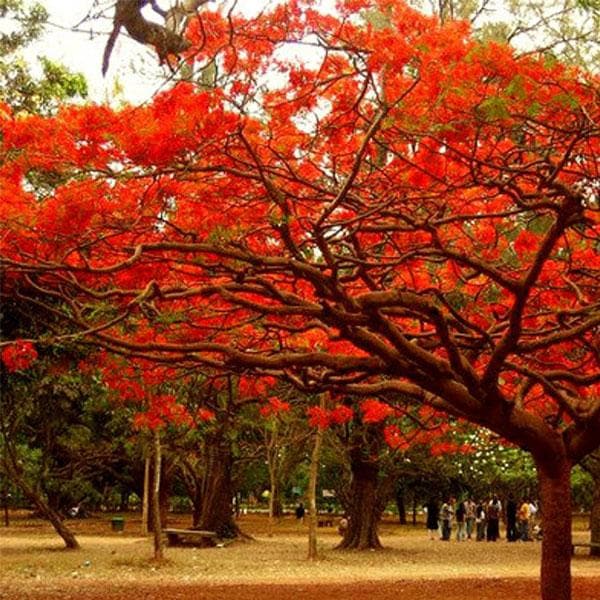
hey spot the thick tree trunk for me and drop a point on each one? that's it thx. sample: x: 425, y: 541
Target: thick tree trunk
x: 365, y: 509
x: 595, y: 516
x: 555, y: 499
x: 217, y: 491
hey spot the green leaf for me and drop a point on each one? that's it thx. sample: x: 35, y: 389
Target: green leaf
x: 516, y: 88
x: 493, y: 109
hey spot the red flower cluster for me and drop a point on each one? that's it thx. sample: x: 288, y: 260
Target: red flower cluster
x: 274, y: 407
x: 205, y: 414
x: 163, y: 410
x: 450, y: 448
x: 18, y: 356
x: 394, y: 438
x: 341, y: 414
x: 253, y: 386
x: 323, y: 418
x: 318, y: 417
x: 375, y: 411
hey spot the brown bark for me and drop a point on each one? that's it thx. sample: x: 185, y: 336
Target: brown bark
x: 146, y: 496
x: 216, y: 512
x: 196, y: 504
x: 45, y: 510
x: 555, y: 498
x: 400, y: 504
x: 312, y: 494
x: 156, y: 520
x: 365, y: 508
x: 164, y: 493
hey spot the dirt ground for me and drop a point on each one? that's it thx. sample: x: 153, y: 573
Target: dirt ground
x: 118, y: 566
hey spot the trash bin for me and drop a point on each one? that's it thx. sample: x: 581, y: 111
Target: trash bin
x: 118, y: 523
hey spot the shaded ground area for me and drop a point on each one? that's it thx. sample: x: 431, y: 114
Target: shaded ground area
x: 117, y: 565
x: 490, y: 589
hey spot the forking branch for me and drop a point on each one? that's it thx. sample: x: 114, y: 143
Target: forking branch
x: 166, y: 39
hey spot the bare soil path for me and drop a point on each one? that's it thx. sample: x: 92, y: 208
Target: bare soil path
x: 117, y: 566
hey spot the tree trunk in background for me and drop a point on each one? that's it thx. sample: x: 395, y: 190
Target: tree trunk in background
x: 45, y: 510
x: 156, y: 521
x: 146, y: 496
x: 414, y: 509
x: 595, y: 516
x: 401, y: 506
x: 312, y: 494
x: 49, y: 513
x: 216, y: 513
x: 164, y: 492
x: 197, y: 505
x: 365, y: 509
x: 555, y: 498
x: 273, y: 498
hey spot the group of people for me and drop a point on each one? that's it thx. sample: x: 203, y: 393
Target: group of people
x: 481, y: 520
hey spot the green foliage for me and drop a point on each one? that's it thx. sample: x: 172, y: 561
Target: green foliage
x: 57, y: 424
x: 29, y: 24
x: 19, y: 87
x: 582, y: 486
x: 565, y: 28
x: 493, y: 109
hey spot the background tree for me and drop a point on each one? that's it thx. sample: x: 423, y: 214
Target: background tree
x: 60, y: 442
x: 566, y: 29
x: 592, y: 465
x: 19, y: 88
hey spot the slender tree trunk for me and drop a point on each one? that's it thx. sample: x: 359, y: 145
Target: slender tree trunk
x: 555, y: 499
x: 46, y: 511
x: 365, y: 509
x: 156, y: 524
x: 146, y: 496
x: 414, y: 509
x: 273, y: 493
x: 312, y: 494
x: 595, y: 516
x: 164, y: 492
x: 14, y: 474
x: 401, y: 506
x: 197, y: 504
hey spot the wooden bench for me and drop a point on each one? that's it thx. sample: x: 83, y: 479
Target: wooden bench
x: 178, y: 537
x: 584, y: 545
x: 325, y: 522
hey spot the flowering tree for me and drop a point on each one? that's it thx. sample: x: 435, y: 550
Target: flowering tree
x: 403, y: 212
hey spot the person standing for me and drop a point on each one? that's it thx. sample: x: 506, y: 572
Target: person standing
x: 533, y: 510
x: 447, y: 516
x: 480, y: 520
x: 433, y: 518
x: 524, y: 514
x: 300, y: 512
x: 470, y: 507
x: 511, y: 519
x: 494, y: 510
x: 461, y: 535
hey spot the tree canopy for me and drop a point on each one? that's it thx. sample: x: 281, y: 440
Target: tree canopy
x: 369, y: 202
